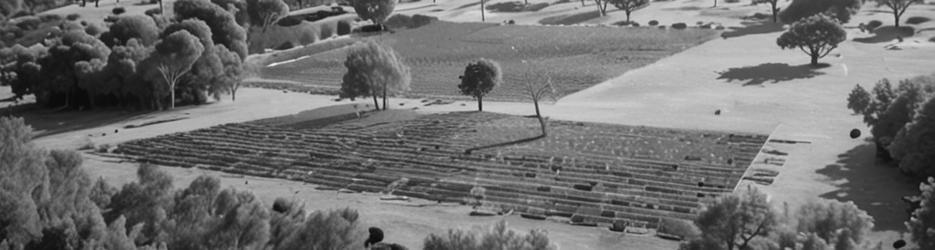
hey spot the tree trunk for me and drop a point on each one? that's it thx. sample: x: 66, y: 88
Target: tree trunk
x: 480, y: 103
x: 715, y: 3
x: 161, y: 8
x: 172, y: 96
x: 582, y: 3
x: 539, y: 116
x: 896, y: 16
x: 482, y: 18
x: 90, y: 100
x: 376, y: 104
x: 384, y: 97
x: 628, y: 17
x: 775, y: 13
x: 815, y: 59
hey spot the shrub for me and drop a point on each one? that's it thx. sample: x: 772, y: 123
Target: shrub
x: 93, y: 30
x: 73, y: 16
x: 309, y: 36
x: 653, y: 23
x: 499, y: 237
x: 917, y: 20
x: 872, y: 25
x: 153, y: 11
x: 69, y: 26
x: 111, y: 19
x: 29, y: 23
x: 536, y: 6
x: 634, y: 24
x: 932, y: 39
x: 398, y: 21
x: 290, y: 21
x: 731, y: 1
x: 327, y: 30
x: 679, y: 26
x: 421, y: 20
x: 344, y: 27
x: 662, y: 27
x: 118, y: 11
x: 50, y: 18
x: 719, y: 27
x: 685, y: 229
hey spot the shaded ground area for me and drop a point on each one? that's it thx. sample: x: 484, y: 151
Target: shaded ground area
x: 752, y: 28
x: 887, y: 34
x: 593, y: 172
x: 570, y: 18
x: 438, y: 53
x: 47, y: 122
x: 768, y: 72
x: 874, y: 186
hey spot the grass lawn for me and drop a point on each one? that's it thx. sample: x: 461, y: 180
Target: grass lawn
x: 438, y: 53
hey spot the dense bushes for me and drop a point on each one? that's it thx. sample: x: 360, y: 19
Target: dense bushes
x: 653, y: 23
x: 73, y: 16
x: 404, y: 21
x: 899, y: 118
x: 344, y: 27
x: 679, y: 26
x: 118, y: 10
x: 84, y: 66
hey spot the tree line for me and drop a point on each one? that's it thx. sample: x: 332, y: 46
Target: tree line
x: 143, y: 61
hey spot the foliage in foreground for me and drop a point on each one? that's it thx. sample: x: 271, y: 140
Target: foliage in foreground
x: 497, y: 238
x: 48, y: 201
x: 748, y: 221
x: 922, y: 223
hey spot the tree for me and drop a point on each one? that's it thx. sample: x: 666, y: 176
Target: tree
x: 480, y: 78
x: 921, y: 224
x: 267, y: 12
x: 233, y: 73
x: 60, y: 75
x: 858, y: 100
x: 602, y: 6
x: 734, y: 221
x: 913, y: 146
x: 842, y: 10
x: 137, y: 26
x: 23, y: 172
x: 224, y: 27
x: 816, y: 36
x: 536, y: 90
x: 178, y: 52
x: 374, y: 10
x: 898, y: 7
x: 629, y: 6
x: 773, y: 7
x: 374, y: 68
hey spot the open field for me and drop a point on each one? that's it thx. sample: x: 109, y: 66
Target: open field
x: 583, y: 171
x: 438, y: 53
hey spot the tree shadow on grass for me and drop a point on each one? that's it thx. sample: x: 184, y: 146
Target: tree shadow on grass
x: 571, y: 19
x: 752, y: 28
x: 887, y: 34
x: 874, y: 186
x: 504, y: 144
x: 46, y: 122
x: 775, y: 72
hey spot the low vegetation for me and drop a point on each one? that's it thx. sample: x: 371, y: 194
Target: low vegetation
x: 498, y: 237
x: 841, y: 10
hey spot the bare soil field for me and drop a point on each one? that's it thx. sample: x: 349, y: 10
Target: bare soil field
x: 438, y: 53
x: 585, y: 172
